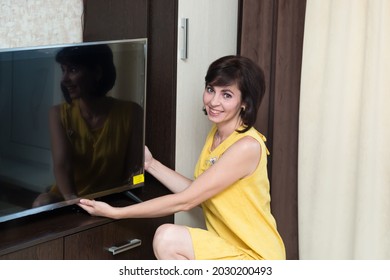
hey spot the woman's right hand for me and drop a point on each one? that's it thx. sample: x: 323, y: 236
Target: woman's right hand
x: 148, y: 158
x: 98, y: 208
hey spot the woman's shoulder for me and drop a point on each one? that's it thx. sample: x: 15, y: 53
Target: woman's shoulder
x: 247, y: 145
x: 125, y: 105
x: 255, y: 134
x: 251, y: 135
x: 251, y: 141
x: 55, y: 110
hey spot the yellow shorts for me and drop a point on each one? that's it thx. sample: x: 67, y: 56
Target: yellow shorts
x: 209, y: 246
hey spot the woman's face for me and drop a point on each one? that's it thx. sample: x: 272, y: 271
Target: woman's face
x: 223, y: 103
x: 78, y: 80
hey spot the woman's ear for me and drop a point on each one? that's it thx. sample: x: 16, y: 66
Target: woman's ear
x: 243, y: 107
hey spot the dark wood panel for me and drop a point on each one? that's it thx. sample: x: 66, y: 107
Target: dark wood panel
x: 119, y: 19
x: 94, y: 243
x: 160, y: 19
x: 272, y: 35
x: 257, y: 31
x: 161, y: 99
x: 51, y: 250
x: 288, y: 61
x: 40, y: 228
x: 29, y: 234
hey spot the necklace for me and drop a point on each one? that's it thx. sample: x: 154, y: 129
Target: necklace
x: 217, y: 140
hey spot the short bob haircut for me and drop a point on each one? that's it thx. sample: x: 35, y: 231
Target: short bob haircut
x: 91, y: 56
x: 248, y: 77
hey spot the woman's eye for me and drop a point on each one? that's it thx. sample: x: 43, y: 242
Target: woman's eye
x: 209, y: 89
x: 227, y: 95
x: 69, y: 69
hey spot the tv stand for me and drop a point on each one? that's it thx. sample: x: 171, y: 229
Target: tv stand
x: 132, y: 196
x: 71, y: 234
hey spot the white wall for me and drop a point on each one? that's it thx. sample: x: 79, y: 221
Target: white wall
x: 40, y: 22
x: 212, y: 33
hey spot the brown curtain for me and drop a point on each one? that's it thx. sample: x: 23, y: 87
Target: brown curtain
x: 271, y: 33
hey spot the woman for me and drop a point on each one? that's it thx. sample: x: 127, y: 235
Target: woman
x: 231, y: 182
x: 91, y: 133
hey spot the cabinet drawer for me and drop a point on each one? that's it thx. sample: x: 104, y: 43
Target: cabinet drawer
x: 50, y: 250
x: 94, y: 243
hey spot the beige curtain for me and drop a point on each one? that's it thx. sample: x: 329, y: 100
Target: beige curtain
x: 40, y: 22
x: 344, y: 136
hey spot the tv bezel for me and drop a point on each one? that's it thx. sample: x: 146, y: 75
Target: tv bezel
x: 126, y: 186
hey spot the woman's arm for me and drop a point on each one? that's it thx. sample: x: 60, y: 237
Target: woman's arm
x: 239, y: 161
x: 173, y: 180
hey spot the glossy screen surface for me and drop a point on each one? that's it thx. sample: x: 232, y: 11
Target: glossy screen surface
x: 30, y: 86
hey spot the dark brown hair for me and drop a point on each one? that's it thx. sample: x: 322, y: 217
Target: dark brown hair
x: 91, y: 56
x: 249, y: 77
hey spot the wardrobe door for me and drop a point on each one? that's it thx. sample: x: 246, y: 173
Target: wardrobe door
x: 272, y: 35
x: 155, y: 20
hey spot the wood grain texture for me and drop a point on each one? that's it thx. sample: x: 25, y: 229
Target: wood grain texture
x: 272, y: 35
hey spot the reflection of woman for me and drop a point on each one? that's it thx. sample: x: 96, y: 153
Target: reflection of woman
x: 93, y: 135
x: 231, y: 180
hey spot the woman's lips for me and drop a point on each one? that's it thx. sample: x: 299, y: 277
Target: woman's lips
x: 213, y: 112
x: 71, y: 89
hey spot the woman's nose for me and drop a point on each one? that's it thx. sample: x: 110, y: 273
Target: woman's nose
x: 215, y: 99
x: 65, y: 77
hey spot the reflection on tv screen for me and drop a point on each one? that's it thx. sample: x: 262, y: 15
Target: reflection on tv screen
x: 72, y: 122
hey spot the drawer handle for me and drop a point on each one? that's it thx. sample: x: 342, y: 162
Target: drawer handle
x: 122, y: 248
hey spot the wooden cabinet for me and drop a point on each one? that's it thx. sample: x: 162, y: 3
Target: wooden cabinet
x: 50, y: 250
x: 95, y: 243
x: 134, y: 236
x: 70, y: 233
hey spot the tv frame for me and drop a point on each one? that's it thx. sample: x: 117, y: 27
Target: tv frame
x: 125, y: 187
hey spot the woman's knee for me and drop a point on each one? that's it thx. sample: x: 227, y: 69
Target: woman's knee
x: 172, y: 242
x: 163, y: 235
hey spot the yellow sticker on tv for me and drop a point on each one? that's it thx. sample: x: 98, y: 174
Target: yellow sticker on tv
x: 138, y: 179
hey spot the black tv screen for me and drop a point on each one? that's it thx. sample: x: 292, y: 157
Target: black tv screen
x: 72, y: 120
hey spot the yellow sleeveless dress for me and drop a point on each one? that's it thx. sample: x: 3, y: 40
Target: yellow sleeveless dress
x: 98, y: 155
x: 239, y: 221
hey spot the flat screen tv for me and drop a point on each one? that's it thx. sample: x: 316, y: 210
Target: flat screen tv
x: 72, y: 120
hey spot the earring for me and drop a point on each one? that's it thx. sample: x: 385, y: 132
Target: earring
x: 204, y: 110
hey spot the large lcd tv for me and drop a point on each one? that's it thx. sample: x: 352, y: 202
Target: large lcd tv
x: 57, y: 143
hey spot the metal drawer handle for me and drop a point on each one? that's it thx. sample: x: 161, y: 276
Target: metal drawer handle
x: 122, y: 248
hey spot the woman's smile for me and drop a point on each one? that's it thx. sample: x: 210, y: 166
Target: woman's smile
x: 214, y: 113
x: 222, y: 103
